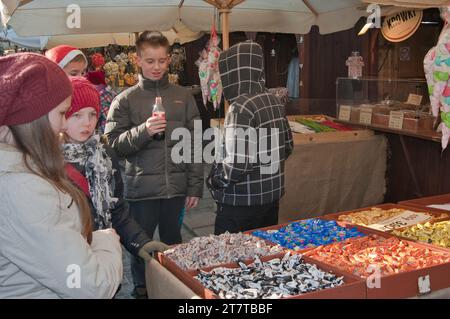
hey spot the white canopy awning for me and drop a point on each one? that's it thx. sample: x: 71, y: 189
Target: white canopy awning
x: 49, y: 17
x: 412, y: 3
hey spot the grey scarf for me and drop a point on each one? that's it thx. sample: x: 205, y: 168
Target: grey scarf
x: 97, y: 165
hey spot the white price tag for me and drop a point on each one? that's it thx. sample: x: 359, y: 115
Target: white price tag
x: 424, y: 285
x: 344, y: 112
x: 365, y: 115
x: 414, y: 99
x: 396, y: 119
x: 405, y: 219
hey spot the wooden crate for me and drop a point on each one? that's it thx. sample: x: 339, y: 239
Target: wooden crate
x: 436, y: 215
x: 423, y: 202
x: 406, y: 284
x: 328, y: 137
x: 353, y: 288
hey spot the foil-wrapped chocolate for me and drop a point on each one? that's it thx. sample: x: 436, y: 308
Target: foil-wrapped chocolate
x: 274, y: 279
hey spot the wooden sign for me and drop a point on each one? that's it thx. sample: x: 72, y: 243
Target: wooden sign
x: 402, y: 25
x: 396, y: 120
x: 344, y: 112
x: 365, y: 115
x: 405, y: 219
x: 414, y: 99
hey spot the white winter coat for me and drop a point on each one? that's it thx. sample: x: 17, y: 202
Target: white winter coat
x: 42, y: 251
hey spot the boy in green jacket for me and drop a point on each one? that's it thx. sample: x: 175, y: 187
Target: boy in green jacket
x: 156, y: 187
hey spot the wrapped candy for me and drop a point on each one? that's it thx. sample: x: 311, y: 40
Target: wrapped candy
x: 273, y: 279
x: 212, y: 250
x: 173, y: 78
x: 121, y: 58
x: 208, y: 65
x: 98, y: 61
x: 437, y: 233
x: 132, y: 58
x: 111, y: 71
x: 202, y: 64
x: 131, y: 79
x: 437, y: 73
x: 308, y: 233
x: 213, y: 75
x: 390, y: 255
x: 355, y: 65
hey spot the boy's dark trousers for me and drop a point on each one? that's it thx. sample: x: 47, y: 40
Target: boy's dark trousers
x: 163, y: 213
x: 236, y: 219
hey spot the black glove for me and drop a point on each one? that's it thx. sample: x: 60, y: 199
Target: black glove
x: 146, y: 251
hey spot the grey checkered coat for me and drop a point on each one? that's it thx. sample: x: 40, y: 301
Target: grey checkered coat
x: 248, y: 173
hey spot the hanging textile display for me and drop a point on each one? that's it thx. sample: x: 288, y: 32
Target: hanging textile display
x: 208, y: 67
x: 178, y: 61
x: 437, y: 73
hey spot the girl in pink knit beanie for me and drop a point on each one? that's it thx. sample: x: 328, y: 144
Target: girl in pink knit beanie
x: 45, y: 221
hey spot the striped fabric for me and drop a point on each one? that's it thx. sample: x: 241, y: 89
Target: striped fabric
x: 257, y: 138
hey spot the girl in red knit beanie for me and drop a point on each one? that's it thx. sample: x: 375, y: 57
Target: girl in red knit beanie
x: 93, y: 166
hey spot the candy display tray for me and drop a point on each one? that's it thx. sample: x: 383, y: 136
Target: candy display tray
x: 353, y: 287
x: 380, y: 117
x: 406, y: 284
x: 388, y: 206
x: 361, y: 229
x: 423, y: 202
x: 328, y: 137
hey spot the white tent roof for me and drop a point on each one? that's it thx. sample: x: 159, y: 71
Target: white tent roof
x: 48, y: 17
x: 178, y: 33
x: 412, y: 3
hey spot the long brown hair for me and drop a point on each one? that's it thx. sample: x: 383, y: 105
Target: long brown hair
x: 42, y: 156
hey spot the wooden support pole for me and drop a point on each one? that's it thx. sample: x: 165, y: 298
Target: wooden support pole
x: 224, y: 13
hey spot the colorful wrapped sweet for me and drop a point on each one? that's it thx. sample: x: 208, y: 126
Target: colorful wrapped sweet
x: 98, y: 61
x: 111, y: 68
x: 111, y: 71
x: 432, y: 233
x: 437, y: 73
x: 361, y: 256
x: 131, y: 79
x: 308, y: 233
x: 202, y: 64
x: 208, y: 71
x: 277, y: 278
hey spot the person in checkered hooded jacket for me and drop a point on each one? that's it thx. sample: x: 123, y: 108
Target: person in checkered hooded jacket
x: 247, y: 179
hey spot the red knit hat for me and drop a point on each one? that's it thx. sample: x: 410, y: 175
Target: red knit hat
x: 84, y: 95
x: 64, y: 54
x: 31, y: 86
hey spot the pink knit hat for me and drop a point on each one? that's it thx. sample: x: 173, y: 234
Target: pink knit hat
x: 84, y: 95
x: 64, y: 54
x: 31, y: 86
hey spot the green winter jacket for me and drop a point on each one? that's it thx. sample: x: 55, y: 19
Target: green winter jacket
x: 150, y: 172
